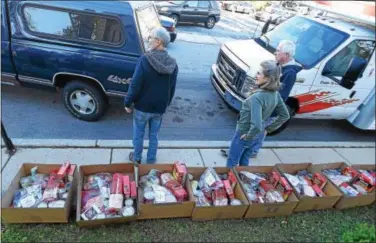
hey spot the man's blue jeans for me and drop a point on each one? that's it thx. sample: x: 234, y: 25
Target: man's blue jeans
x: 140, y: 120
x: 240, y: 151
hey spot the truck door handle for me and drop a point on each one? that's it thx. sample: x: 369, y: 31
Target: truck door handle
x: 352, y: 94
x: 14, y: 53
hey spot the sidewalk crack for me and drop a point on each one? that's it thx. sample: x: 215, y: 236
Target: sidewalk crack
x: 112, y: 151
x: 202, y: 158
x: 340, y: 155
x: 280, y: 160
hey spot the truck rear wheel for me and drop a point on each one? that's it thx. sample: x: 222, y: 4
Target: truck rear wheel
x: 84, y: 100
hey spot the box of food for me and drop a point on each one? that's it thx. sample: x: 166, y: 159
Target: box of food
x: 310, y: 186
x: 104, y: 194
x: 217, y: 194
x: 39, y: 193
x: 160, y: 192
x: 267, y: 192
x: 355, y: 182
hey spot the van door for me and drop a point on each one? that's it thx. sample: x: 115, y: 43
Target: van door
x: 338, y: 102
x: 7, y: 69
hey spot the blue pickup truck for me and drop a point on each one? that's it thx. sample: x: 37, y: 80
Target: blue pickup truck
x: 87, y: 50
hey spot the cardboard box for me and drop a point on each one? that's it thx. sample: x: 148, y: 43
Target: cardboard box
x: 219, y: 212
x: 167, y: 210
x: 35, y: 215
x: 307, y: 203
x: 261, y: 210
x: 109, y: 168
x: 348, y: 201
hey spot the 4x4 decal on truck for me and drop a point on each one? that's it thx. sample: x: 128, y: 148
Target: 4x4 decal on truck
x: 320, y: 100
x: 117, y: 80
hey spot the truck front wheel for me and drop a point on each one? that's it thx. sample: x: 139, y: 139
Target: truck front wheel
x: 84, y: 100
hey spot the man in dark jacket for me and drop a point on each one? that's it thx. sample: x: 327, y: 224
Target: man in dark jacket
x: 151, y: 91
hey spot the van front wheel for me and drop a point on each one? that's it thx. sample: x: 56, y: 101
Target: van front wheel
x: 84, y: 100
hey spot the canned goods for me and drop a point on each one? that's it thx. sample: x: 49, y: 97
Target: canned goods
x: 64, y: 195
x: 235, y: 202
x: 170, y: 198
x: 128, y: 202
x: 42, y: 205
x: 56, y: 204
x: 128, y: 211
x: 62, y: 190
x: 68, y: 186
x: 149, y: 197
x: 148, y: 189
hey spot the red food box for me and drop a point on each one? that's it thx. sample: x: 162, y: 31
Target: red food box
x: 367, y: 177
x: 177, y: 190
x: 350, y: 172
x: 228, y: 188
x: 284, y: 188
x: 220, y: 197
x: 266, y: 186
x: 126, y: 186
x: 63, y: 170
x: 319, y: 180
x: 71, y: 170
x: 232, y: 179
x: 179, y: 171
x: 117, y: 184
x: 318, y: 190
x: 133, y: 190
x: 274, y: 178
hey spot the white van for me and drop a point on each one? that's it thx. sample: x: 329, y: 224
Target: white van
x: 338, y: 76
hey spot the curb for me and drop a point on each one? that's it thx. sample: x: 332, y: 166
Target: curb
x: 70, y: 143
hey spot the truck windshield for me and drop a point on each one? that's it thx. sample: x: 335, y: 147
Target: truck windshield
x: 314, y: 41
x: 147, y: 20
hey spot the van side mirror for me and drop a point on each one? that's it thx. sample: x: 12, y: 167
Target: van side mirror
x: 353, y: 72
x: 185, y: 5
x: 266, y: 26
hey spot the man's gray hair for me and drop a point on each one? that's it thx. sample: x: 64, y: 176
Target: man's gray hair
x: 161, y: 34
x: 288, y: 47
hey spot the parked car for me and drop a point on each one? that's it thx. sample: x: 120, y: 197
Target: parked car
x: 207, y: 12
x: 276, y: 14
x: 169, y: 24
x: 241, y: 7
x: 88, y: 50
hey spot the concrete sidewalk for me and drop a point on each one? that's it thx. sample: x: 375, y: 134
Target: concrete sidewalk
x: 193, y: 153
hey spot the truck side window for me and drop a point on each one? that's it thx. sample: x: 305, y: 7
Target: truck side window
x: 338, y: 64
x: 73, y: 25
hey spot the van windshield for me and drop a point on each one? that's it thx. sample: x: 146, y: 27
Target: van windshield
x: 314, y: 41
x: 147, y: 20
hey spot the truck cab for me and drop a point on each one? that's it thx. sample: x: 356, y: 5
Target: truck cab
x: 338, y: 76
x: 88, y: 50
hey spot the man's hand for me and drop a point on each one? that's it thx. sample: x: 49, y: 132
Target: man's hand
x: 128, y: 110
x: 243, y: 137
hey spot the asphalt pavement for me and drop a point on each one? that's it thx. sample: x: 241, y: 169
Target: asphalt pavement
x: 196, y: 113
